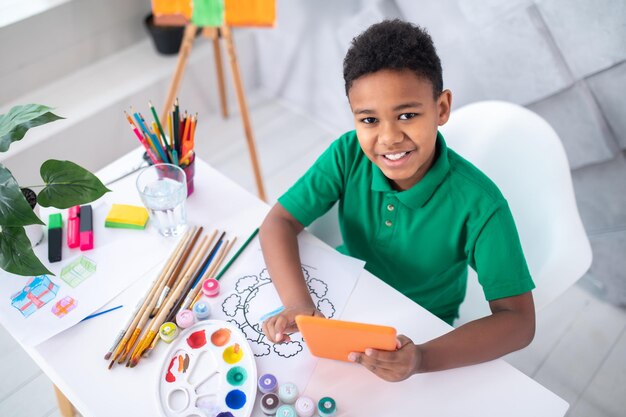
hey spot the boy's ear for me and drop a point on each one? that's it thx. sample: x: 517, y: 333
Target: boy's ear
x: 444, y: 104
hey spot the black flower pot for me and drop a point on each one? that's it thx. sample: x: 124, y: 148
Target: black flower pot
x: 166, y: 39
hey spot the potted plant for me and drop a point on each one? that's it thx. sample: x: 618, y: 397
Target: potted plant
x: 65, y: 184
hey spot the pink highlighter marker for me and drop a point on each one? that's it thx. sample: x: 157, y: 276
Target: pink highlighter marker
x: 73, y: 227
x: 86, y: 228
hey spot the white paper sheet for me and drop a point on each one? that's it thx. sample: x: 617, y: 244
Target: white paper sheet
x: 247, y: 294
x: 121, y: 257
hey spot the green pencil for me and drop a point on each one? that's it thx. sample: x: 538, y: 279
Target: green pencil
x: 158, y: 122
x: 176, y: 127
x: 237, y: 254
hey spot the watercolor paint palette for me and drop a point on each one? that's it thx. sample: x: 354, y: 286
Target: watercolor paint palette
x: 209, y: 371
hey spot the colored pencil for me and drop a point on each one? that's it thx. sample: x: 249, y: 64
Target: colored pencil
x: 176, y: 126
x: 185, y: 127
x: 99, y: 313
x: 236, y: 255
x: 169, y: 128
x: 187, y: 145
x: 150, y: 137
x: 142, y: 140
x: 158, y: 123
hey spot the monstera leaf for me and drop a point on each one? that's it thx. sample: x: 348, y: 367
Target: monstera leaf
x: 15, y: 123
x: 14, y: 209
x: 68, y: 184
x: 16, y: 254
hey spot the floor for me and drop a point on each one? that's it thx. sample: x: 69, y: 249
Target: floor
x: 579, y: 350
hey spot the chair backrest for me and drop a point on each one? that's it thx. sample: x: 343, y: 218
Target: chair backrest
x: 524, y: 156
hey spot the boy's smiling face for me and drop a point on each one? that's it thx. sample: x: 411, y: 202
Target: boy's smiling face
x: 396, y: 121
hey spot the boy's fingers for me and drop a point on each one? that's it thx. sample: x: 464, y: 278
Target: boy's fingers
x: 370, y: 363
x: 382, y: 356
x: 276, y: 328
x: 402, y: 341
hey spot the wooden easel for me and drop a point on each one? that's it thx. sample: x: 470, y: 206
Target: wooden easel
x: 215, y: 33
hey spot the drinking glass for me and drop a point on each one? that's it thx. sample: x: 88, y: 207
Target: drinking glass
x: 163, y: 190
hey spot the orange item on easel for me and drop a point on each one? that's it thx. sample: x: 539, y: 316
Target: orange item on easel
x: 171, y: 12
x: 250, y: 12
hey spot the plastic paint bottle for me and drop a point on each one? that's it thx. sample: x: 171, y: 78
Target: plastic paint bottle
x: 185, y: 318
x: 168, y: 331
x: 267, y: 383
x: 326, y: 407
x: 201, y: 310
x: 288, y: 392
x: 210, y: 287
x: 269, y: 404
x: 285, y: 410
x: 305, y: 407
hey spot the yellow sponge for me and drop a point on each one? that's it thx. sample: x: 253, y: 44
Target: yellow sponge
x: 127, y: 217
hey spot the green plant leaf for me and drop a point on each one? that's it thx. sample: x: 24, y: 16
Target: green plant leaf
x: 14, y: 209
x: 68, y: 184
x: 16, y: 253
x: 15, y: 123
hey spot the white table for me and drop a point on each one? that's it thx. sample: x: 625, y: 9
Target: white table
x: 73, y: 360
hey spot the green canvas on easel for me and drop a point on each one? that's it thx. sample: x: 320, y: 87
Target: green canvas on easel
x: 208, y: 13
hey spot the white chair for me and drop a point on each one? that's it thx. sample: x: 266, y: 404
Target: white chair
x: 524, y: 156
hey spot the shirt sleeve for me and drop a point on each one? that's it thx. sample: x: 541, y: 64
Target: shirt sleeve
x: 320, y: 187
x: 498, y: 257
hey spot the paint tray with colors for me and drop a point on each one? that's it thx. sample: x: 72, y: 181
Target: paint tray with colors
x: 209, y: 371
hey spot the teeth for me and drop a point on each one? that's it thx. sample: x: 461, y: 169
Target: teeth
x: 395, y: 156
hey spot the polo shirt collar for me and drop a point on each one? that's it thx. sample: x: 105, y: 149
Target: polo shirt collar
x: 416, y: 196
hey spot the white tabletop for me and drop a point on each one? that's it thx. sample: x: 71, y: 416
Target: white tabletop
x: 74, y: 359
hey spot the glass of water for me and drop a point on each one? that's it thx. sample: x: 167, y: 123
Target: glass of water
x: 163, y: 190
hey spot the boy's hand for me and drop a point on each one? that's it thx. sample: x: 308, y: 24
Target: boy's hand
x: 278, y: 327
x: 391, y: 366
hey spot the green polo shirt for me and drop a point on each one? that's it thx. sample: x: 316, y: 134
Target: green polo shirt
x: 419, y: 241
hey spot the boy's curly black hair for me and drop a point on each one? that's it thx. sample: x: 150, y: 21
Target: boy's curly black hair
x: 393, y: 44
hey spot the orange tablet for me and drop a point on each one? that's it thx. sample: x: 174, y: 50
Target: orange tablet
x: 335, y: 339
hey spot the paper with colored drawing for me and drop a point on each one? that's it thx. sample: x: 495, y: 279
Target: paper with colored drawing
x: 247, y: 295
x: 34, y: 309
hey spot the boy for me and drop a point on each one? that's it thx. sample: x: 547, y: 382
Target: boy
x: 414, y: 210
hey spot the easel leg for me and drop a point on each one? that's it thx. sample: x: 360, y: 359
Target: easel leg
x: 183, y: 55
x: 217, y: 51
x: 243, y: 108
x: 213, y: 34
x: 65, y: 406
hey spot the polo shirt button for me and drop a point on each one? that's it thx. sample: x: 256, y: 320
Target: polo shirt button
x: 390, y: 207
x: 388, y: 223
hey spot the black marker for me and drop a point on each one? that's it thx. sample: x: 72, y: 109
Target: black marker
x: 86, y: 228
x: 55, y: 237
